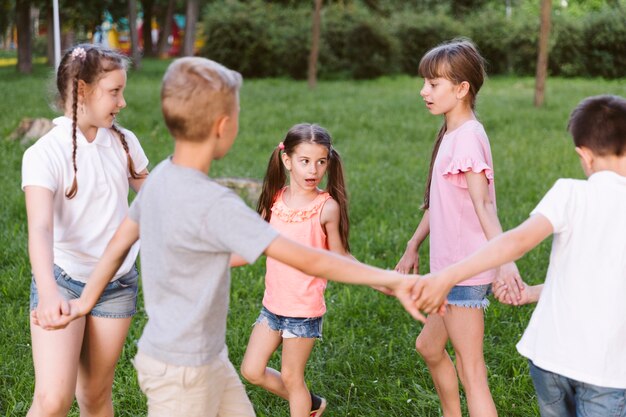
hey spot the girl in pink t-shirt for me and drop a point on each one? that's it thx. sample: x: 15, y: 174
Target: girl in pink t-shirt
x: 293, y: 303
x: 460, y: 216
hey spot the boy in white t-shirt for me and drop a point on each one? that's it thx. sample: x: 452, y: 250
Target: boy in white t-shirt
x: 576, y: 338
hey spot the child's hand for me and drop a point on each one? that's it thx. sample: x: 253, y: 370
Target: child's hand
x: 403, y: 292
x: 510, y: 276
x: 409, y: 263
x: 49, y: 309
x: 75, y: 310
x: 429, y: 294
x: 529, y: 294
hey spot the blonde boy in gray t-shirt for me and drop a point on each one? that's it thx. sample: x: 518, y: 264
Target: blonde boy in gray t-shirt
x: 190, y: 227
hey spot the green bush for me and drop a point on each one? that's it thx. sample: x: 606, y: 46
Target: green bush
x: 605, y: 43
x: 490, y: 31
x: 567, y: 55
x: 417, y: 33
x: 355, y: 45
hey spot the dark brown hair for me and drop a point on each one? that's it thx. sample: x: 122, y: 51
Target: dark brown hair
x: 599, y: 123
x: 276, y: 177
x: 456, y: 61
x: 89, y: 64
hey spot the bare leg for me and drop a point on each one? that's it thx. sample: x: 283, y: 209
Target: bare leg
x: 431, y: 344
x: 55, y: 356
x: 262, y: 344
x: 296, y: 352
x: 466, y: 328
x: 102, y: 346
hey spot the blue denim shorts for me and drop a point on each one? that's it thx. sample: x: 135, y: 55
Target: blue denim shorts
x: 119, y: 299
x: 559, y: 396
x: 473, y: 296
x: 290, y: 327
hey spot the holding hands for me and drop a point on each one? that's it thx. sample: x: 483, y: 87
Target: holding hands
x: 58, y: 318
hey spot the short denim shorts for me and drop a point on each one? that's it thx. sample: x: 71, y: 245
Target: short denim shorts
x: 290, y: 327
x: 473, y: 296
x: 119, y: 299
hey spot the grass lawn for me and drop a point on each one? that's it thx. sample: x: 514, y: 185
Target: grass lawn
x: 366, y: 364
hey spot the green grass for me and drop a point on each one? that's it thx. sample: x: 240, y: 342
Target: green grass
x: 366, y: 365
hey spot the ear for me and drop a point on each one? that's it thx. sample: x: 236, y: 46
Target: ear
x: 286, y: 161
x: 587, y: 158
x: 462, y: 90
x: 82, y: 90
x: 220, y: 125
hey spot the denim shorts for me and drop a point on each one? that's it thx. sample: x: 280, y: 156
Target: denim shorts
x: 118, y: 301
x: 290, y: 327
x: 473, y: 296
x: 559, y: 396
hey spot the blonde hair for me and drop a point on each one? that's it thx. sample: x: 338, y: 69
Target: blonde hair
x: 195, y: 93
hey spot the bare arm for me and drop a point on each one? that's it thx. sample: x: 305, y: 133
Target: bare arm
x: 322, y: 263
x: 478, y: 187
x: 410, y: 259
x: 504, y: 248
x: 136, y: 183
x: 111, y: 260
x: 39, y: 212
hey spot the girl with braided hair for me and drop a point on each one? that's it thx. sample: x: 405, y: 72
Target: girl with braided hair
x: 76, y: 180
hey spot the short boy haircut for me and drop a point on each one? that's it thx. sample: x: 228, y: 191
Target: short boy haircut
x: 195, y: 92
x: 599, y: 123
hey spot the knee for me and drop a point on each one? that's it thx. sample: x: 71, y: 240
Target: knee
x: 52, y: 404
x: 291, y: 380
x: 427, y: 351
x: 252, y: 374
x: 93, y: 397
x: 472, y: 374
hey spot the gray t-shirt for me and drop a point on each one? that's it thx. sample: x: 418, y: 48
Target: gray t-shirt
x: 189, y: 226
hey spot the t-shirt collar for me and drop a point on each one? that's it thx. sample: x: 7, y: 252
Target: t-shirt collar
x: 103, y: 137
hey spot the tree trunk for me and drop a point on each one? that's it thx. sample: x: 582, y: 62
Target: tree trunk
x: 315, y: 43
x: 542, y: 55
x: 24, y: 37
x: 166, y: 30
x: 134, y: 38
x: 50, y: 32
x: 191, y: 18
x: 148, y: 46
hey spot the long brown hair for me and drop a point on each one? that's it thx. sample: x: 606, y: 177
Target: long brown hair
x: 456, y: 61
x: 88, y: 63
x: 276, y: 177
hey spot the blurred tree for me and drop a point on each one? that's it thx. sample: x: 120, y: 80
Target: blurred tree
x: 316, y: 23
x: 164, y: 18
x: 191, y: 19
x: 6, y: 20
x: 24, y: 36
x: 146, y: 29
x: 542, y: 55
x: 134, y: 36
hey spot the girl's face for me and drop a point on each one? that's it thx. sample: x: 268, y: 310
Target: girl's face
x: 104, y: 100
x: 307, y: 165
x: 441, y: 95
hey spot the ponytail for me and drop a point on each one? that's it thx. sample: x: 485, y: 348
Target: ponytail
x: 275, y: 179
x: 440, y: 135
x: 336, y: 187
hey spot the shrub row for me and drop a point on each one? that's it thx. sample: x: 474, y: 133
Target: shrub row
x: 261, y: 39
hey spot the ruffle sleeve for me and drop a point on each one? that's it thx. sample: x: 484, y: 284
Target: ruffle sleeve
x: 453, y: 172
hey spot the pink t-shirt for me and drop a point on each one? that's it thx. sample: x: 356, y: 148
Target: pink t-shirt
x: 289, y: 292
x: 455, y: 230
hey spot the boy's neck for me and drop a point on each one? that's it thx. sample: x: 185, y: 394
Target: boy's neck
x: 613, y: 163
x: 195, y: 155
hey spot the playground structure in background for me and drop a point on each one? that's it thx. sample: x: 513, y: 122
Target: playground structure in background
x: 116, y: 34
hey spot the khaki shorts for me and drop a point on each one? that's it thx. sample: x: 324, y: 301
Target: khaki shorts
x: 192, y: 391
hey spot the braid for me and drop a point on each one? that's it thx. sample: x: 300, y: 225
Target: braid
x: 71, y: 193
x: 131, y: 165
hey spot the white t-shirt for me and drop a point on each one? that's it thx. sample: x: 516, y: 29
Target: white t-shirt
x: 578, y: 329
x: 84, y: 225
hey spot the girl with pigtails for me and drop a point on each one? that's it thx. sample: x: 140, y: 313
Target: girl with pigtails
x: 76, y: 180
x: 293, y: 303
